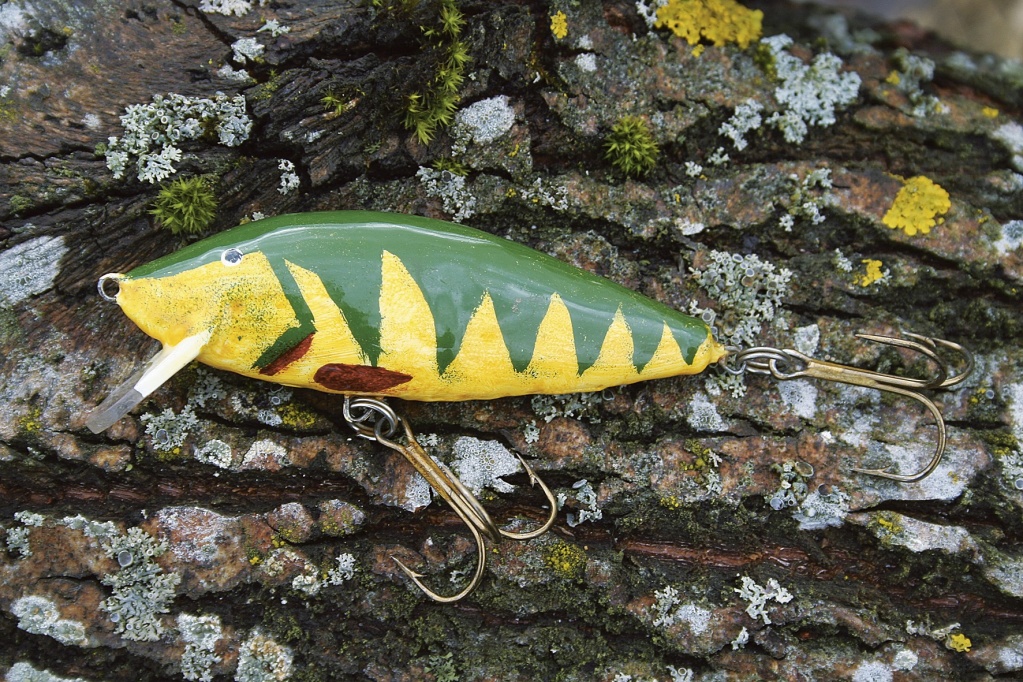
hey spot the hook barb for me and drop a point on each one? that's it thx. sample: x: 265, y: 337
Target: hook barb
x: 787, y: 364
x: 375, y: 420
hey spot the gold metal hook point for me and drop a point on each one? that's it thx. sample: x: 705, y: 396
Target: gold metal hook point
x: 787, y: 364
x: 375, y: 420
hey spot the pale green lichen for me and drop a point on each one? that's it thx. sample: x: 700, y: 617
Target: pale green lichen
x: 575, y: 405
x: 200, y: 635
x: 40, y: 616
x: 168, y: 430
x: 215, y: 452
x: 29, y: 268
x: 18, y: 541
x: 480, y: 464
x: 809, y: 94
x: 458, y: 201
x: 261, y: 659
x: 793, y: 484
x: 586, y: 497
x: 343, y: 571
x: 24, y: 672
x: 18, y: 537
x: 758, y: 597
x: 141, y: 589
x: 911, y: 73
x: 482, y: 122
x: 153, y: 131
x: 807, y: 197
x: 748, y: 292
x: 819, y: 509
x: 669, y: 610
x: 745, y: 119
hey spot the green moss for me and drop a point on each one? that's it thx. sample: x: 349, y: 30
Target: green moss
x: 186, y: 205
x: 443, y: 668
x: 432, y: 108
x: 20, y: 203
x: 450, y: 165
x: 265, y: 91
x: 337, y: 103
x: 631, y: 147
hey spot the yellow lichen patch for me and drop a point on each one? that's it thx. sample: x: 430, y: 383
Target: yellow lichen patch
x: 918, y: 206
x: 959, y: 642
x: 559, y: 25
x: 872, y: 274
x: 483, y: 357
x: 554, y: 352
x: 408, y: 337
x: 333, y: 340
x: 614, y: 362
x: 718, y: 21
x: 990, y: 112
x: 893, y: 78
x: 567, y: 561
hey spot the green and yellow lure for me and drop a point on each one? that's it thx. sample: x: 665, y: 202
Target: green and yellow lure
x: 377, y: 304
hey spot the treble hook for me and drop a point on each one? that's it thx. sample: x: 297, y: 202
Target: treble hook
x: 787, y: 364
x: 384, y: 428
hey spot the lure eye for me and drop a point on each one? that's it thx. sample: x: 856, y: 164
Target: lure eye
x: 231, y: 257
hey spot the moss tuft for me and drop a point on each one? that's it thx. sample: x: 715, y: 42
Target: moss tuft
x: 631, y: 147
x: 186, y: 205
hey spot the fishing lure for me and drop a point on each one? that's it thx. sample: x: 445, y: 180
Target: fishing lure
x: 374, y: 305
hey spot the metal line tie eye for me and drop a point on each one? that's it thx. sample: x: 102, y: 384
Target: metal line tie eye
x: 231, y: 257
x: 101, y: 285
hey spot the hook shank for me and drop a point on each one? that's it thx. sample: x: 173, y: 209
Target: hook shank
x: 375, y: 420
x: 787, y: 364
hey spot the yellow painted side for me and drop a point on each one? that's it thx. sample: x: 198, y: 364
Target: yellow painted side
x: 554, y: 356
x: 408, y: 337
x: 614, y: 362
x: 333, y: 341
x: 483, y: 358
x: 244, y: 306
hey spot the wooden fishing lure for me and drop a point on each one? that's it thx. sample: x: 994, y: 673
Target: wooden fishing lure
x: 376, y: 304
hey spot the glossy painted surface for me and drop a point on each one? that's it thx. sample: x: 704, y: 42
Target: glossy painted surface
x: 387, y: 304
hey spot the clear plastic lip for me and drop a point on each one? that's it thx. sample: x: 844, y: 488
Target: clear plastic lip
x: 154, y: 374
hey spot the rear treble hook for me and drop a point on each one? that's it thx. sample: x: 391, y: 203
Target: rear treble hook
x: 786, y: 364
x: 376, y: 420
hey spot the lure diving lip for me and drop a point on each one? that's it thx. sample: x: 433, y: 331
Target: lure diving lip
x: 376, y: 304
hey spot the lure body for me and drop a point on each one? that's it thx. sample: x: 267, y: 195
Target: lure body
x: 379, y: 304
